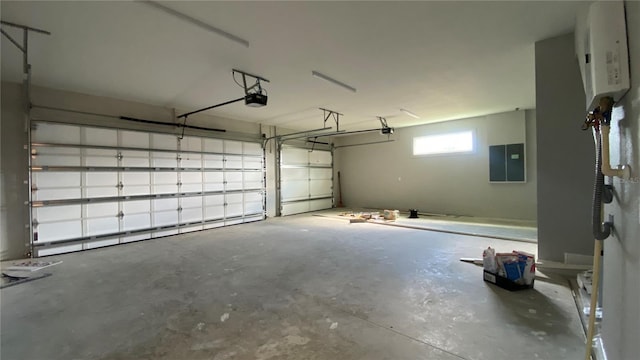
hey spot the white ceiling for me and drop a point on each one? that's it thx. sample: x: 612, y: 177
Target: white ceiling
x: 440, y: 60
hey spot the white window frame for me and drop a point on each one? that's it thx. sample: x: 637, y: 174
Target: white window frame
x: 445, y: 151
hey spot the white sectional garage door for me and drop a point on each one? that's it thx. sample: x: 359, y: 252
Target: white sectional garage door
x: 95, y: 187
x: 306, y: 180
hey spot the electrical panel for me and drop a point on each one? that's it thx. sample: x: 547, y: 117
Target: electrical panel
x: 603, y: 54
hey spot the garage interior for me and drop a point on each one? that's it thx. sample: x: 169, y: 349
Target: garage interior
x: 205, y: 179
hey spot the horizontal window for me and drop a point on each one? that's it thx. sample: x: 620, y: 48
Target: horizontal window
x: 457, y: 142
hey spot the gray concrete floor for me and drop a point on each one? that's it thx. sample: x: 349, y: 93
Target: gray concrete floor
x: 507, y: 229
x: 302, y: 287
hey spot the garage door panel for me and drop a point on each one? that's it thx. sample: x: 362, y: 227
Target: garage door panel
x: 252, y: 163
x: 133, y: 190
x: 165, y: 177
x: 132, y: 222
x: 165, y: 189
x: 252, y: 148
x: 233, y: 162
x: 100, y: 136
x: 98, y: 192
x: 165, y: 218
x: 294, y: 174
x: 233, y: 198
x: 191, y: 177
x: 320, y: 158
x: 320, y: 174
x: 320, y: 188
x: 135, y: 159
x: 191, y: 163
x: 164, y: 204
x: 101, y: 243
x: 233, y: 210
x: 61, y: 230
x: 140, y: 206
x: 214, y: 212
x: 213, y: 161
x: 213, y: 145
x: 106, y: 161
x: 191, y: 143
x: 136, y: 178
x: 133, y: 238
x: 135, y: 139
x: 214, y: 186
x: 191, y: 202
x: 101, y: 209
x: 320, y: 204
x: 295, y: 208
x: 57, y: 213
x: 58, y: 250
x: 214, y: 200
x: 56, y: 160
x: 294, y: 156
x: 253, y: 177
x: 188, y: 229
x: 191, y: 188
x: 232, y: 147
x: 56, y: 133
x: 101, y: 152
x: 92, y: 179
x: 50, y: 179
x: 159, y: 162
x: 295, y: 189
x: 214, y: 177
x: 253, y: 207
x: 191, y: 215
x: 161, y: 141
x: 100, y: 226
x: 57, y: 194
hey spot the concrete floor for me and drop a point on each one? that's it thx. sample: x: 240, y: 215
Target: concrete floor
x: 506, y: 229
x: 301, y: 287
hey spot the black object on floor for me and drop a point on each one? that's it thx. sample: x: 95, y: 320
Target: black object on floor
x: 413, y: 214
x: 13, y: 280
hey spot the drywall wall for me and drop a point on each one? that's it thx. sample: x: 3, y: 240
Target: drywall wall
x: 565, y: 153
x: 621, y: 273
x: 14, y: 215
x: 389, y: 176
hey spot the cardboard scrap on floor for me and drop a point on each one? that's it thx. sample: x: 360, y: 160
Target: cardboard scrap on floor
x: 361, y: 217
x: 32, y: 265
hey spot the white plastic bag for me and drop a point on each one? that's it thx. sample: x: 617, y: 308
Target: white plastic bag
x: 489, y: 260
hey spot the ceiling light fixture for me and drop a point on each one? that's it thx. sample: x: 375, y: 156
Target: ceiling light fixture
x: 196, y: 22
x: 410, y: 113
x: 324, y: 77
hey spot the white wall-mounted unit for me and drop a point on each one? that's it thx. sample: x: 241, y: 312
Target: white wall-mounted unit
x: 601, y: 47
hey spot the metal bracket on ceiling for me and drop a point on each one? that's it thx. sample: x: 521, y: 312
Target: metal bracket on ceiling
x: 250, y: 89
x: 24, y: 48
x: 330, y: 113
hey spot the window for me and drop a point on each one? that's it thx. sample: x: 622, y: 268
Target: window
x: 458, y: 142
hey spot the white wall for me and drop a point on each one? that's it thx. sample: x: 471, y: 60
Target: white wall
x: 13, y: 213
x: 389, y: 176
x: 14, y: 216
x: 621, y: 294
x: 565, y: 153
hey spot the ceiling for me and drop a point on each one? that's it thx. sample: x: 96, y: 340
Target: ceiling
x: 440, y: 60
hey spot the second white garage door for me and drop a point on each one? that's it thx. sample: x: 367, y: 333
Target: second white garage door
x: 306, y: 180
